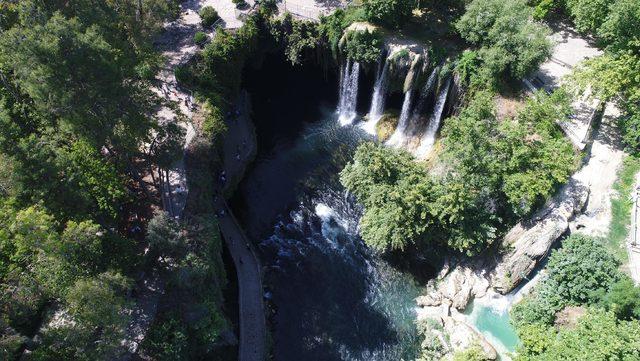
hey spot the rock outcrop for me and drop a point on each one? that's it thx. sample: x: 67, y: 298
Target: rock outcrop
x: 450, y: 293
x: 455, y: 289
x: 531, y: 240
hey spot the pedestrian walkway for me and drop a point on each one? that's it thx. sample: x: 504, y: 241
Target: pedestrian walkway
x: 570, y: 48
x: 178, y: 47
x: 633, y: 243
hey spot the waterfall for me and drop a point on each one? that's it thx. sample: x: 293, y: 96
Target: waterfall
x: 378, y: 99
x: 425, y: 94
x: 399, y: 137
x: 429, y: 137
x: 349, y: 78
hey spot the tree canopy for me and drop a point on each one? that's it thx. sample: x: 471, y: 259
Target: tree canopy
x: 509, y: 42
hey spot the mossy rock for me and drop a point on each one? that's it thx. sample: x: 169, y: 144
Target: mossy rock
x: 386, y: 126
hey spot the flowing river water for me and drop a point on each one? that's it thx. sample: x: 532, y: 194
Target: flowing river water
x: 332, y: 298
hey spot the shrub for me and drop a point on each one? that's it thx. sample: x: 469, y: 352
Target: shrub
x: 209, y: 16
x: 578, y: 273
x: 588, y: 15
x: 332, y: 27
x: 510, y: 42
x: 623, y: 299
x: 391, y: 13
x: 622, y: 26
x: 467, y: 65
x: 200, y: 38
x: 363, y: 46
x: 598, y: 336
x: 239, y: 3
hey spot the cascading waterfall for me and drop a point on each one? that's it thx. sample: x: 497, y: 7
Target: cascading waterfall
x: 399, y: 135
x: 429, y: 137
x: 378, y: 100
x: 415, y: 120
x: 349, y: 78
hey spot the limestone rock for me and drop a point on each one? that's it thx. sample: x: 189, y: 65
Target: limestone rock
x: 531, y: 240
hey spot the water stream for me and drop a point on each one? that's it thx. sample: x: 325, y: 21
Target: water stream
x: 399, y: 136
x: 349, y: 82
x: 378, y: 99
x: 332, y: 298
x: 429, y: 136
x: 417, y: 122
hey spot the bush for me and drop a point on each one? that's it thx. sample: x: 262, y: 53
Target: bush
x: 391, y: 13
x: 200, y: 38
x: 363, y: 46
x: 579, y: 273
x: 598, y: 336
x: 621, y: 29
x: 332, y: 27
x: 239, y: 3
x: 209, y: 16
x: 623, y: 299
x: 588, y: 15
x: 510, y: 42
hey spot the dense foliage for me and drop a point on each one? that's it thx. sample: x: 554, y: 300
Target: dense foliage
x: 391, y: 13
x: 577, y: 274
x: 581, y: 273
x: 598, y: 336
x: 519, y: 161
x: 498, y: 170
x: 82, y: 158
x: 509, y: 43
x: 396, y: 193
x: 363, y: 46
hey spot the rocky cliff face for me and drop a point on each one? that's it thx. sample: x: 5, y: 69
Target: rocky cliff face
x: 531, y: 240
x: 528, y: 242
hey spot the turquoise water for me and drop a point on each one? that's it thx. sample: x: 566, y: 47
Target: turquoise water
x: 496, y: 326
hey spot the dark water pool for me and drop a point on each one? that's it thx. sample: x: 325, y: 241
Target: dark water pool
x: 333, y: 299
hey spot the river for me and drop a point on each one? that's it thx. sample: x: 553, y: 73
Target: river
x: 332, y: 298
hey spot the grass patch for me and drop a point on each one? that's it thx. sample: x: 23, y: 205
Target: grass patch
x: 621, y: 207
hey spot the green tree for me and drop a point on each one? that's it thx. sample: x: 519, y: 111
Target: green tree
x: 209, y: 16
x: 392, y: 13
x: 598, y: 336
x: 510, y: 42
x: 363, y: 46
x: 396, y: 194
x: 95, y: 309
x: 165, y: 237
x: 623, y: 298
x: 621, y: 28
x: 588, y: 15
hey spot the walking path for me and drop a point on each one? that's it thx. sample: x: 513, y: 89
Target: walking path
x: 569, y: 50
x: 177, y: 46
x: 633, y: 243
x: 238, y: 147
x: 600, y: 173
x: 180, y: 48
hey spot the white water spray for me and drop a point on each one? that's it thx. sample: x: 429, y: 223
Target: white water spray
x: 415, y: 125
x: 399, y: 137
x: 349, y: 78
x: 378, y: 100
x: 429, y: 137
